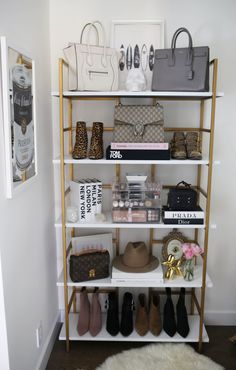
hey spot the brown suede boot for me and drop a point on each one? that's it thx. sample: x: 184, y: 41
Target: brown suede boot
x: 81, y: 141
x: 193, y: 146
x: 141, y: 321
x: 95, y: 324
x: 84, y: 313
x: 155, y: 325
x: 96, y: 145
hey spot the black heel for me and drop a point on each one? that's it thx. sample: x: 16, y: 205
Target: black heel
x: 169, y: 324
x: 182, y: 316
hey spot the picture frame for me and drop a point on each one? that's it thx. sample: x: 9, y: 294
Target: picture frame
x: 136, y: 41
x: 103, y: 241
x: 19, y: 117
x: 172, y: 245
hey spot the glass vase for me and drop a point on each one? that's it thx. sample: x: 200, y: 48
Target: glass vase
x: 189, y: 270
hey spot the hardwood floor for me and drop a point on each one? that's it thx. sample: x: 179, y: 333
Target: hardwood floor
x: 88, y: 355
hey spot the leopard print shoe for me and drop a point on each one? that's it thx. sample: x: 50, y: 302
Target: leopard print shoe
x: 81, y: 141
x: 96, y: 145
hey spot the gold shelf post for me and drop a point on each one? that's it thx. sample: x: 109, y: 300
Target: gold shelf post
x: 208, y: 202
x: 199, y: 177
x: 63, y: 220
x: 151, y: 232
x: 117, y: 230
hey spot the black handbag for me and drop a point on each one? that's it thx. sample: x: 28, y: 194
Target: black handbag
x: 89, y: 265
x: 182, y: 198
x: 181, y: 69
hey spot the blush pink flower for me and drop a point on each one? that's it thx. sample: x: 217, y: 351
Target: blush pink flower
x: 191, y: 249
x: 197, y: 249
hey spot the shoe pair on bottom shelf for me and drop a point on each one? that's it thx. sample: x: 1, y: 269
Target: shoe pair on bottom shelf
x: 152, y: 321
x: 90, y: 315
x: 125, y: 327
x: 169, y: 323
x: 188, y: 146
x: 81, y: 141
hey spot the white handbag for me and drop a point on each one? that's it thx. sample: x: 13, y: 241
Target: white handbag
x: 92, y: 67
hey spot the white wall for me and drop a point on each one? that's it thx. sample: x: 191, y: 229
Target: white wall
x: 211, y: 23
x: 27, y: 239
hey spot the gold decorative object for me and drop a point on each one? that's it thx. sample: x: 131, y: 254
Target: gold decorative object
x: 173, y: 267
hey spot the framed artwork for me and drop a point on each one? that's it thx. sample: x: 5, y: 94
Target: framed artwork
x: 136, y: 41
x: 97, y: 241
x: 172, y: 244
x: 18, y: 95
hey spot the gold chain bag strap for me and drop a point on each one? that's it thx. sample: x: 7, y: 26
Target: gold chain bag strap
x: 138, y: 124
x: 89, y: 265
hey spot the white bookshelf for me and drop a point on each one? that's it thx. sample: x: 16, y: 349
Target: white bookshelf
x: 108, y: 224
x: 69, y: 160
x: 175, y: 283
x: 193, y: 335
x: 140, y: 94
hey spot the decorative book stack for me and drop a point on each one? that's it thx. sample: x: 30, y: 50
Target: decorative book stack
x: 86, y: 195
x: 138, y: 151
x: 155, y: 276
x: 183, y: 217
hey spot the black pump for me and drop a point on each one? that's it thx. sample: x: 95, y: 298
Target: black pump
x: 169, y: 324
x: 112, y: 323
x: 126, y: 326
x: 182, y: 316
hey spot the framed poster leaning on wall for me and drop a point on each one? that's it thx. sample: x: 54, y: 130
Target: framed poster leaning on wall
x: 136, y: 42
x: 18, y: 96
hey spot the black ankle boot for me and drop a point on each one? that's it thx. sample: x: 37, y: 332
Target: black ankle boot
x: 169, y: 324
x: 182, y: 316
x: 112, y: 324
x: 126, y: 326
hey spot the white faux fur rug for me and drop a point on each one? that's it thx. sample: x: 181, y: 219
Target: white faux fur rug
x: 160, y: 357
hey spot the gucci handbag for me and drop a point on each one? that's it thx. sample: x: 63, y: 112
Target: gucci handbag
x: 89, y: 265
x: 182, y: 198
x: 138, y: 124
x: 92, y: 67
x: 181, y: 69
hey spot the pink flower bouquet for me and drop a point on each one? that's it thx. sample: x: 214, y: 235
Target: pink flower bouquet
x: 191, y: 250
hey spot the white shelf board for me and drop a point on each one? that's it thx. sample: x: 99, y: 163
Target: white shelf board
x: 108, y: 224
x: 69, y: 160
x: 140, y: 94
x: 175, y: 283
x: 134, y: 337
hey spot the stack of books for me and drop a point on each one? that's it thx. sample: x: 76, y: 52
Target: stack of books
x: 183, y: 217
x: 138, y: 151
x: 151, y: 277
x: 86, y: 195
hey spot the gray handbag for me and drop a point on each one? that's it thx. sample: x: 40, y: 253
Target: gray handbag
x: 138, y: 124
x: 181, y: 69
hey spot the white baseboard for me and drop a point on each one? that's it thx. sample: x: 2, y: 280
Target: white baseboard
x: 221, y: 318
x: 48, y: 345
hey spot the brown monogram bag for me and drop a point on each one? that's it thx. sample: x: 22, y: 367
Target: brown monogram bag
x: 89, y: 265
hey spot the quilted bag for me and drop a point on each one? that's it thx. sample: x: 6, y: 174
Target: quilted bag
x: 138, y: 124
x: 182, y: 198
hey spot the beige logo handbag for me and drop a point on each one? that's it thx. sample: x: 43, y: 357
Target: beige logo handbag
x: 138, y: 124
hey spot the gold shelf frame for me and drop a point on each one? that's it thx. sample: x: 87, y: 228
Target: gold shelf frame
x: 71, y: 301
